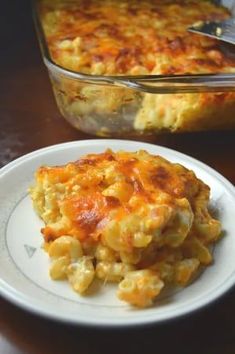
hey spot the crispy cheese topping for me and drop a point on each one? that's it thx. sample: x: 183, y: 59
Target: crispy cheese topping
x: 133, y: 37
x: 81, y: 198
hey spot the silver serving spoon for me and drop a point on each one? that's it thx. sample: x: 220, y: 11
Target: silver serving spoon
x: 222, y: 30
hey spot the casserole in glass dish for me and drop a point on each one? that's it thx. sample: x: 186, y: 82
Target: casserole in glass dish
x: 131, y: 67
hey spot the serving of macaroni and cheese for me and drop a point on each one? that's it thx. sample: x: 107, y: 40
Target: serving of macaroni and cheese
x: 126, y: 217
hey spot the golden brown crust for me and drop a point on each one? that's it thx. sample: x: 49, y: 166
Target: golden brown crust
x: 122, y: 37
x: 79, y: 198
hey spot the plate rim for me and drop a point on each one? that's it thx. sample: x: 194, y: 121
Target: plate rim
x: 9, y: 294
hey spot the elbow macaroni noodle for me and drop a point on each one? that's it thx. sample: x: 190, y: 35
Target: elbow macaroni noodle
x: 125, y: 217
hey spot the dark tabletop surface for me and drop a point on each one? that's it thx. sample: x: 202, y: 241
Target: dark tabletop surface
x: 29, y: 120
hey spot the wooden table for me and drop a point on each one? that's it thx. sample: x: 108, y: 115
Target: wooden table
x: 29, y: 120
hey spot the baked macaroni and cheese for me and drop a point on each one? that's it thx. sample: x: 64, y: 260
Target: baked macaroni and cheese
x: 126, y: 217
x: 131, y: 37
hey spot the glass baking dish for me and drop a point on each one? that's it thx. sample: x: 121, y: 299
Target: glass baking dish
x: 120, y: 105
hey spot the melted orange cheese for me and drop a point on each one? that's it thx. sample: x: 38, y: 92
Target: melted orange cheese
x: 120, y: 37
x: 94, y: 186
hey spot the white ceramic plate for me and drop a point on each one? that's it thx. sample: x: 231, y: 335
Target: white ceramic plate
x: 24, y: 278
